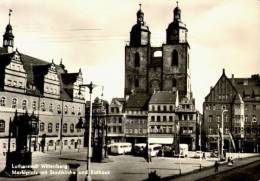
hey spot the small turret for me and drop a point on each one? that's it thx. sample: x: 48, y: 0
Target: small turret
x: 8, y: 37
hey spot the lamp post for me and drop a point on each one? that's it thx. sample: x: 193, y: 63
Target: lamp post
x: 91, y: 86
x: 200, y: 139
x: 222, y: 131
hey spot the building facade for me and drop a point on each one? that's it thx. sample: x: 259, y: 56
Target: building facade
x: 236, y: 103
x: 116, y: 121
x: 42, y: 88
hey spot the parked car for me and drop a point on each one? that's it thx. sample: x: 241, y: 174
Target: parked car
x: 138, y: 149
x: 198, y: 154
x: 214, y: 154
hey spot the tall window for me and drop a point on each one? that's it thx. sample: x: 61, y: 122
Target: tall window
x: 73, y: 110
x: 175, y: 58
x: 210, y: 118
x: 49, y: 127
x: 65, y: 109
x: 2, y: 101
x: 174, y: 82
x: 137, y: 60
x: 136, y: 82
x: 2, y: 126
x: 34, y: 105
x: 50, y: 107
x: 43, y: 106
x: 164, y: 118
x: 158, y: 118
x: 65, y: 127
x: 41, y: 126
x: 57, y: 127
x: 72, y: 142
x: 79, y: 111
x: 24, y: 104
x: 58, y: 109
x: 72, y: 128
x: 14, y: 103
x: 79, y: 141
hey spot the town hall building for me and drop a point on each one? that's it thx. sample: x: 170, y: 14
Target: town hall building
x: 43, y: 89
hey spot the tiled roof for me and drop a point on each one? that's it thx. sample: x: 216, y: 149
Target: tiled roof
x: 138, y: 101
x: 163, y: 97
x: 34, y: 66
x: 248, y: 88
x: 118, y: 101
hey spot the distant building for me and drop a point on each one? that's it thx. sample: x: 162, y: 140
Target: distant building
x: 28, y: 84
x: 161, y: 117
x: 116, y: 121
x: 136, y: 113
x: 240, y: 97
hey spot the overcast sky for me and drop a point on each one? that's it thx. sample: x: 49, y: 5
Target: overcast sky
x: 91, y: 35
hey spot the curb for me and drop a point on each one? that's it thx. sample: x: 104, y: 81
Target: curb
x: 209, y: 167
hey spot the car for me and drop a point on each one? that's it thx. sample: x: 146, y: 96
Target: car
x: 214, y: 154
x: 198, y: 154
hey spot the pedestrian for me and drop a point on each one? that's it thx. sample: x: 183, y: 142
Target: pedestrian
x: 216, y: 165
x: 203, y: 155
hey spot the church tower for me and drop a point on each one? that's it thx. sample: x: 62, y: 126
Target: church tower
x: 176, y: 69
x: 136, y: 57
x: 8, y: 37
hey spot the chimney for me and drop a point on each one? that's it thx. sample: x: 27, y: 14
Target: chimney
x: 232, y: 79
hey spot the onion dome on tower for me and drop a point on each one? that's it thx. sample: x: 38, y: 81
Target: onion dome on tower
x: 140, y: 34
x: 176, y: 31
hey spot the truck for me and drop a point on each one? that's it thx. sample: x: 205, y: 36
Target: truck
x: 184, y: 150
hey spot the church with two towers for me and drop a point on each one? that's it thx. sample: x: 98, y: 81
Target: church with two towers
x: 158, y: 85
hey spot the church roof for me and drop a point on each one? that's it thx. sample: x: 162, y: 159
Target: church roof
x: 163, y: 97
x: 138, y: 101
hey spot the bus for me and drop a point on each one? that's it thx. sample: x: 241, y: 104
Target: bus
x: 120, y: 148
x: 184, y: 150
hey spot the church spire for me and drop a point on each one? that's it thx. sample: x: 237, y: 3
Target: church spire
x: 140, y: 15
x: 10, y: 11
x: 177, y: 12
x: 8, y: 37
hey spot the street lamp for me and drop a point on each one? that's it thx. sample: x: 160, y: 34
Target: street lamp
x: 91, y: 86
x: 222, y: 131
